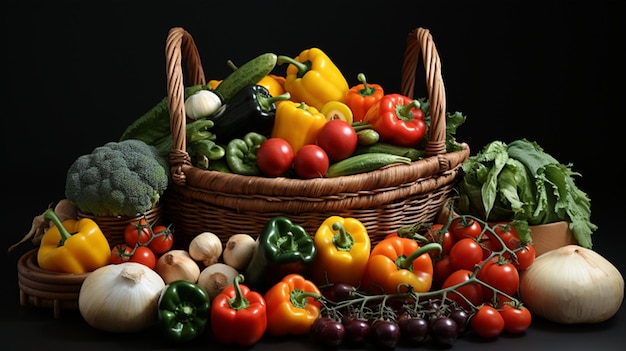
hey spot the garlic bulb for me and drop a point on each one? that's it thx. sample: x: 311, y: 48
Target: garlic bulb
x: 206, y: 248
x: 121, y: 298
x: 572, y: 284
x: 201, y: 104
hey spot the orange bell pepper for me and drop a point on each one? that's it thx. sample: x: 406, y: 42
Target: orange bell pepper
x: 396, y: 263
x: 363, y: 96
x: 292, y: 306
x: 343, y: 248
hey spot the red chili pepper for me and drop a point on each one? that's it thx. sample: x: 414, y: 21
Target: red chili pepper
x: 238, y: 315
x: 398, y: 119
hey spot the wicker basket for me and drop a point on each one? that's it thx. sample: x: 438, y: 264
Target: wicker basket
x: 113, y: 227
x: 200, y: 200
x: 42, y: 288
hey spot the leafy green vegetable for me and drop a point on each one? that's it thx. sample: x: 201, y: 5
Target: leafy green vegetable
x: 521, y: 182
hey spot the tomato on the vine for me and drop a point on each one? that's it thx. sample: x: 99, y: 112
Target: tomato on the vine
x: 162, y: 241
x: 145, y: 256
x: 473, y: 292
x: 500, y: 274
x: 338, y: 139
x: 463, y: 227
x: 465, y: 254
x: 524, y: 257
x: 516, y: 318
x: 311, y: 161
x: 121, y: 253
x: 441, y: 271
x: 487, y: 322
x: 274, y: 157
x: 445, y: 239
x: 137, y: 232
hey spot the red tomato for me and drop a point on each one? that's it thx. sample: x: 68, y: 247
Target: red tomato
x: 506, y: 232
x: 516, y: 319
x: 121, y: 253
x: 274, y: 157
x: 471, y: 291
x: 500, y: 274
x: 465, y: 254
x: 144, y: 256
x: 338, y: 139
x: 463, y: 227
x: 445, y: 239
x: 311, y: 162
x: 524, y: 257
x: 137, y: 232
x: 441, y: 271
x: 162, y: 241
x: 487, y: 322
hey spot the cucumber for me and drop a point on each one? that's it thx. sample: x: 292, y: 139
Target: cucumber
x: 364, y: 163
x: 412, y: 153
x: 249, y: 73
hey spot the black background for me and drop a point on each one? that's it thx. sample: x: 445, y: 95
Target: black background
x: 77, y: 73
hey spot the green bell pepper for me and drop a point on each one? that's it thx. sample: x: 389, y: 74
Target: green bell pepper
x: 241, y: 154
x: 184, y: 310
x: 282, y: 248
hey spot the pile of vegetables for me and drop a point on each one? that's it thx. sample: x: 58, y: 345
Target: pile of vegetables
x: 306, y: 123
x: 520, y: 181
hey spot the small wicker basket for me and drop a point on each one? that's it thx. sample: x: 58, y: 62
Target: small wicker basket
x: 42, y: 288
x: 384, y: 200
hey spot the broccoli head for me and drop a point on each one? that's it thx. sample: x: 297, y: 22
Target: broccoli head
x: 124, y: 178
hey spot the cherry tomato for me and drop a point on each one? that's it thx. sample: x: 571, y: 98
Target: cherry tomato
x: 473, y: 292
x: 516, y: 319
x: 465, y: 254
x: 120, y: 253
x: 487, y: 322
x: 524, y: 257
x: 162, y: 241
x: 145, y: 256
x: 500, y: 274
x: 274, y: 157
x: 507, y: 234
x: 463, y: 227
x: 137, y: 232
x: 445, y: 239
x: 311, y: 161
x: 441, y: 271
x: 338, y: 139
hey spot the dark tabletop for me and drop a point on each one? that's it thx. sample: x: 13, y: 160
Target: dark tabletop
x: 77, y: 74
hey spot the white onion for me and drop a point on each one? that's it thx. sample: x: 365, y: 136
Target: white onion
x: 571, y: 285
x: 121, y: 298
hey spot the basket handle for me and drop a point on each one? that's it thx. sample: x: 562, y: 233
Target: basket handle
x: 420, y: 41
x: 178, y: 46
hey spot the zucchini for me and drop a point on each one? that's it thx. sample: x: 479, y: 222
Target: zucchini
x: 247, y: 74
x: 364, y: 163
x: 412, y: 153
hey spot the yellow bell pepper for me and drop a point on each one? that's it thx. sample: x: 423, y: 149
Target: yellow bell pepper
x: 343, y: 249
x: 313, y: 78
x: 297, y: 123
x: 85, y: 250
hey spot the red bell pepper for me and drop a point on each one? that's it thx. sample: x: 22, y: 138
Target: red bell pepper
x: 363, y: 96
x: 398, y: 119
x: 238, y: 315
x: 292, y: 306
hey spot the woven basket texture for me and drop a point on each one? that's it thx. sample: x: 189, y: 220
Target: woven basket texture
x: 46, y: 289
x: 199, y: 200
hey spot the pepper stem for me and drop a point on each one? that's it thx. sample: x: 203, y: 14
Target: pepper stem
x: 266, y: 101
x: 406, y: 262
x: 303, y: 67
x: 299, y: 298
x: 404, y: 111
x: 343, y: 241
x: 239, y: 302
x: 367, y: 90
x: 52, y: 216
